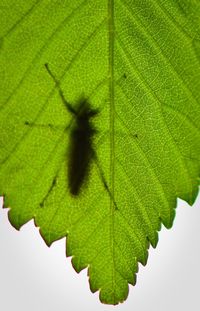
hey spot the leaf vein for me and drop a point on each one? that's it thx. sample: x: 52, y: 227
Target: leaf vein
x: 40, y: 53
x: 159, y: 104
x: 156, y: 46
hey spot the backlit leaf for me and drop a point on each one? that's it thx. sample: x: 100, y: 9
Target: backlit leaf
x: 138, y: 63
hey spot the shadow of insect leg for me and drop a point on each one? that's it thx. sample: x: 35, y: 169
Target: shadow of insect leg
x: 57, y: 84
x: 103, y: 179
x: 49, y: 125
x: 61, y: 129
x: 53, y: 184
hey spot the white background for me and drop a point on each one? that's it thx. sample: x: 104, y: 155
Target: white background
x: 34, y: 277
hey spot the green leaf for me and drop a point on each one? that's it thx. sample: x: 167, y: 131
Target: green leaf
x: 138, y: 63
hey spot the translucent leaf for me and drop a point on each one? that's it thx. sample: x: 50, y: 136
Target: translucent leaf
x: 137, y: 63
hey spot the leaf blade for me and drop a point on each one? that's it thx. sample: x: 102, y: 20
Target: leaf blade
x: 142, y: 76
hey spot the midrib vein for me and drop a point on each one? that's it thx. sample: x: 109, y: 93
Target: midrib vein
x: 112, y: 141
x: 111, y: 88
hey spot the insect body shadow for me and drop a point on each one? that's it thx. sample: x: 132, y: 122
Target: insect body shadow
x: 81, y: 137
x: 81, y: 149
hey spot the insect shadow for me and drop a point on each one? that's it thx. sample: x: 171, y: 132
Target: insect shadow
x: 81, y: 151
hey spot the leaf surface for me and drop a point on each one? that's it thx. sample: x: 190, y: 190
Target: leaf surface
x: 138, y: 63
